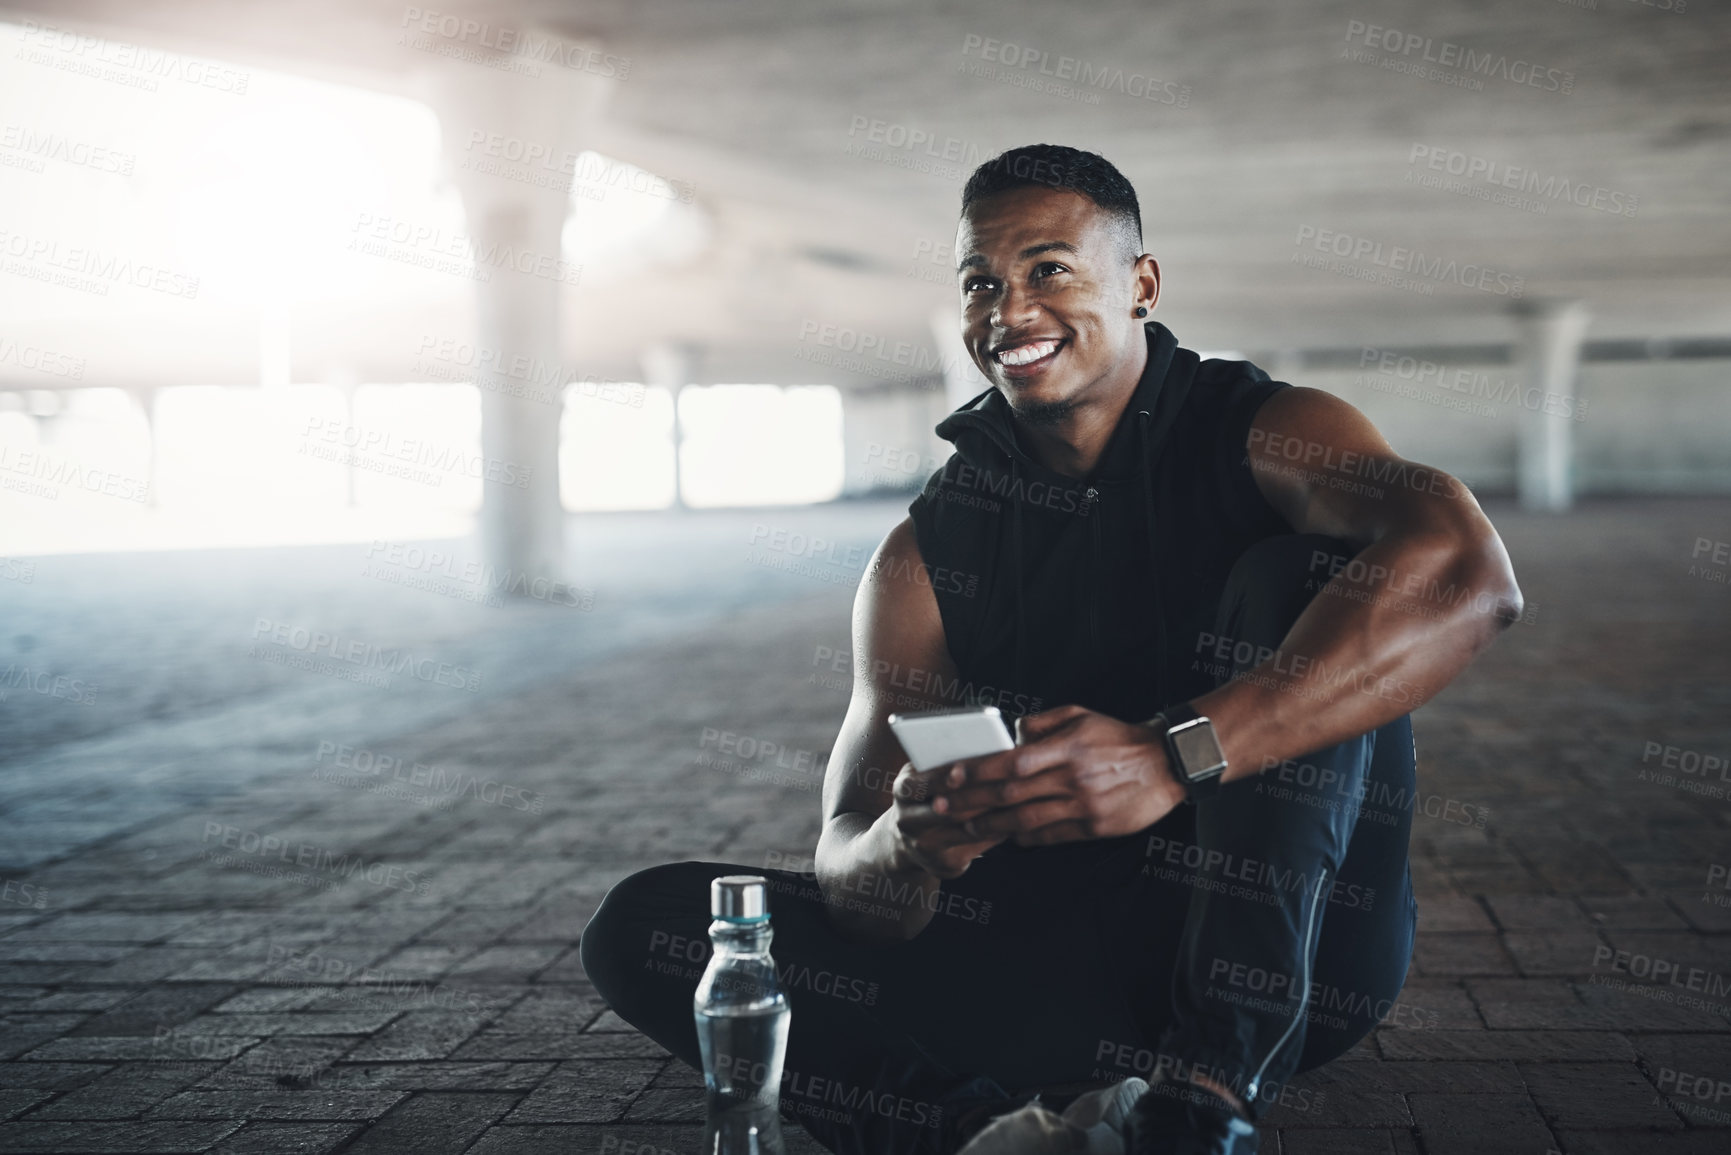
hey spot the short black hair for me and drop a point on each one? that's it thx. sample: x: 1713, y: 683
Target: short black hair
x: 1058, y: 166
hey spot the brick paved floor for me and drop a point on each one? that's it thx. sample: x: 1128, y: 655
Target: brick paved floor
x: 163, y: 992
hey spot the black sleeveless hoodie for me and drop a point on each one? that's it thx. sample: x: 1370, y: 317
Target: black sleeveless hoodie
x: 1095, y: 590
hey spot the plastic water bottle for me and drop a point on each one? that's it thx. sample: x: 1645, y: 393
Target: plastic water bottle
x: 742, y: 1019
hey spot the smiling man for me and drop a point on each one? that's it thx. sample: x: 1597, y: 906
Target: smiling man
x: 1193, y: 870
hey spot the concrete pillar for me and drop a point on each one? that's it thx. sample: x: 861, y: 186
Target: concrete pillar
x: 962, y: 379
x: 145, y: 398
x: 274, y: 363
x: 522, y: 529
x: 672, y: 366
x: 887, y: 438
x: 1549, y: 355
x: 345, y: 380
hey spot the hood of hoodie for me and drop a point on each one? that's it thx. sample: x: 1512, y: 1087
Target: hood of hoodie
x: 984, y: 430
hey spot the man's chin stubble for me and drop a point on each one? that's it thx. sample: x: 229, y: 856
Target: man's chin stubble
x: 1046, y: 413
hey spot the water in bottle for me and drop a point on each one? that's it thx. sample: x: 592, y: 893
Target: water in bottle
x: 742, y: 1019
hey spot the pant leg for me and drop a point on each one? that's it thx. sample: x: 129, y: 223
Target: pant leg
x: 1274, y: 875
x: 854, y: 1084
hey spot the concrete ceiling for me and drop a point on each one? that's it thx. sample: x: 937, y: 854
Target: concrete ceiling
x: 1273, y: 134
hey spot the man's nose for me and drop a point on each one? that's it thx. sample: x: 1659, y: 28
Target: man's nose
x: 1015, y: 307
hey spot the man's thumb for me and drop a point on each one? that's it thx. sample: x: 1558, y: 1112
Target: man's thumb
x: 1031, y: 727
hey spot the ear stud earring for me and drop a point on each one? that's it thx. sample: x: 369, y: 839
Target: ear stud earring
x: 1141, y: 310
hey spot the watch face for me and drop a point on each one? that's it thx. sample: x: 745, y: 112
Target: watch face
x: 1198, y: 749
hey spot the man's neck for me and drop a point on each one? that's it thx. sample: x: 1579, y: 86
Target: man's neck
x: 1074, y: 444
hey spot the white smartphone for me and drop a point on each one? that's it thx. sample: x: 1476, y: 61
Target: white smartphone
x: 938, y: 737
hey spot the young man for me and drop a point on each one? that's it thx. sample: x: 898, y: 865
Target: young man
x: 1194, y: 868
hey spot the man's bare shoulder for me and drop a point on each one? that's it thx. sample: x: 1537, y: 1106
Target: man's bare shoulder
x: 896, y: 610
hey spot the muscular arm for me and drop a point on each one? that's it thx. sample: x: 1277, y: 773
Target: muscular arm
x: 1431, y: 586
x: 880, y: 883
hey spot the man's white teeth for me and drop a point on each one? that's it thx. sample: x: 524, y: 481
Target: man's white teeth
x: 1023, y: 354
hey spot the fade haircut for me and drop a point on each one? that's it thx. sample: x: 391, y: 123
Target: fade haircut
x: 1057, y: 166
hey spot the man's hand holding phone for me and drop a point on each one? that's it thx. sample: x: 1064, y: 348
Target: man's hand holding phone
x: 926, y: 839
x: 941, y: 744
x: 1076, y: 775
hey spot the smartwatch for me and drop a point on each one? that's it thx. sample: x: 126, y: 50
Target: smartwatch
x: 1192, y: 750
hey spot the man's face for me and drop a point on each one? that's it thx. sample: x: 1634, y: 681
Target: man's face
x: 1048, y: 294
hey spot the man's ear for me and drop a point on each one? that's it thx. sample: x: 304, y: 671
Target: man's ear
x: 1147, y: 281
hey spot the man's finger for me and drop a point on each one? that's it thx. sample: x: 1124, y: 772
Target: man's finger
x: 918, y: 784
x: 964, y: 801
x: 1022, y: 762
x: 1031, y: 727
x: 1028, y: 816
x: 1069, y: 830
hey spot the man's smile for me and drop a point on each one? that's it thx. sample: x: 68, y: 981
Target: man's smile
x: 1026, y: 356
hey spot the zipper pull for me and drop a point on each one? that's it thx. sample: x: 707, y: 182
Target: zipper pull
x: 1089, y: 498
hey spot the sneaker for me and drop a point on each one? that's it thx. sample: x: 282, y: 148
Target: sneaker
x: 1102, y: 1115
x: 1176, y: 1118
x: 1033, y: 1129
x: 1091, y: 1124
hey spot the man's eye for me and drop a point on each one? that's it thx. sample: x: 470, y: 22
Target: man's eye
x: 976, y: 284
x: 1048, y: 268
